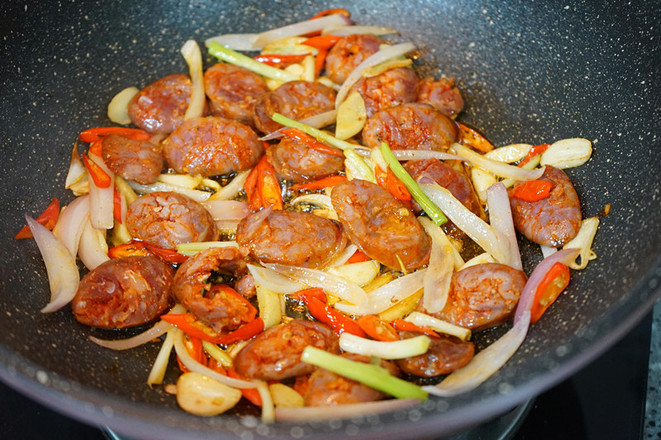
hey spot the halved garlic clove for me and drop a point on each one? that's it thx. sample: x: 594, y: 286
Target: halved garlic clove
x: 203, y: 396
x: 567, y: 153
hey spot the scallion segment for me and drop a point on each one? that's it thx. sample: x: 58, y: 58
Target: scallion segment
x: 433, y: 211
x: 230, y: 56
x: 373, y: 376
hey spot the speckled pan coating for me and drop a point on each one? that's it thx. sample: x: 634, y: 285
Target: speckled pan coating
x: 530, y: 71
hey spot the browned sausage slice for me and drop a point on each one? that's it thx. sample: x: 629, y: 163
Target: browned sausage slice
x: 296, y: 100
x: 552, y: 221
x: 160, y: 107
x: 444, y: 355
x: 410, y: 127
x: 293, y: 160
x: 325, y: 388
x: 348, y: 53
x: 276, y: 353
x: 123, y: 292
x: 291, y: 238
x: 382, y: 226
x: 457, y: 183
x: 390, y: 88
x: 139, y: 161
x: 233, y: 91
x: 218, y: 309
x: 442, y: 94
x: 483, y: 296
x: 167, y: 219
x: 212, y: 146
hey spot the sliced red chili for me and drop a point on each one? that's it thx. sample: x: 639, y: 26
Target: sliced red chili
x: 134, y: 248
x: 322, y: 41
x: 99, y: 176
x: 117, y: 205
x: 94, y: 134
x: 358, y: 257
x: 48, y: 219
x: 169, y: 255
x: 315, y: 300
x: 280, y: 60
x: 268, y: 185
x: 243, y: 333
x: 534, y: 151
x: 189, y: 324
x: 473, y: 138
x: 251, y: 394
x: 377, y: 328
x: 311, y: 142
x: 331, y: 12
x: 406, y: 326
x: 554, y: 282
x: 532, y: 190
x: 319, y: 184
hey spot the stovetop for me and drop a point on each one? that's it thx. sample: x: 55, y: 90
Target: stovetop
x: 605, y: 400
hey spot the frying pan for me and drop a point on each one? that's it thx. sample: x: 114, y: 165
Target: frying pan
x: 530, y: 72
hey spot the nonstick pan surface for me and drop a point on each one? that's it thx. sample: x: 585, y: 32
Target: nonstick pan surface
x: 530, y: 72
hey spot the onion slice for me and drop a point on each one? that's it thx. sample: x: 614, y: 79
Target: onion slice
x: 332, y: 284
x: 485, y: 363
x: 423, y: 154
x: 101, y: 199
x: 232, y: 189
x: 374, y: 59
x: 93, y: 248
x: 500, y: 218
x: 300, y: 28
x: 70, y: 224
x: 63, y: 276
x: 493, y: 166
x: 227, y: 209
x: 198, y: 196
x: 272, y: 280
x: 125, y: 344
x: 191, y: 53
x: 313, y: 413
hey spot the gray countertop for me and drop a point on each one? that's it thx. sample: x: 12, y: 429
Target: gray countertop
x: 652, y: 429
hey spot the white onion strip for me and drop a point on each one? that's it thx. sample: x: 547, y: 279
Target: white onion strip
x: 198, y: 196
x: 583, y: 241
x: 157, y: 372
x: 191, y: 53
x: 63, y: 276
x: 313, y: 413
x: 233, y: 188
x: 436, y: 233
x: 227, y: 209
x: 332, y: 284
x: 300, y: 28
x: 268, y: 409
x: 101, y: 199
x: 70, y: 224
x: 565, y: 256
x: 93, y: 248
x: 374, y: 59
x: 484, y: 364
x: 343, y: 256
x: 476, y: 228
x: 493, y: 166
x: 386, y: 296
x: 424, y: 154
x: 160, y: 328
x: 321, y: 200
x: 438, y: 277
x: 196, y: 367
x: 272, y: 280
x: 316, y: 121
x: 500, y: 219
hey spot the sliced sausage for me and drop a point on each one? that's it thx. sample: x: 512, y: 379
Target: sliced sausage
x: 296, y: 100
x: 167, y: 219
x: 325, y: 388
x: 348, y: 53
x: 219, y: 308
x: 233, y: 91
x: 410, y: 127
x: 388, y: 89
x: 294, y: 160
x: 160, y: 107
x: 276, y: 353
x: 291, y: 238
x: 382, y: 226
x: 442, y: 94
x: 483, y: 296
x: 444, y: 355
x: 123, y: 292
x: 457, y: 183
x: 212, y: 146
x: 552, y: 221
x: 139, y: 161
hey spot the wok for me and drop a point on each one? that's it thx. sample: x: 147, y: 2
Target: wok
x: 530, y: 72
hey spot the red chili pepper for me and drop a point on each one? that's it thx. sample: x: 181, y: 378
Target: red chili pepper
x: 473, y: 138
x: 280, y: 60
x: 388, y: 180
x: 99, y: 176
x: 322, y: 41
x: 551, y: 286
x: 117, y: 205
x: 532, y: 190
x: 320, y: 62
x: 129, y: 249
x: 243, y: 333
x: 249, y: 311
x: 315, y: 300
x: 169, y: 255
x: 250, y: 186
x: 311, y: 142
x: 406, y: 326
x: 95, y: 134
x: 534, y: 151
x: 377, y: 329
x: 189, y: 324
x: 331, y: 12
x: 358, y: 257
x: 96, y: 147
x: 268, y: 186
x: 319, y: 184
x: 251, y: 394
x: 48, y: 219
